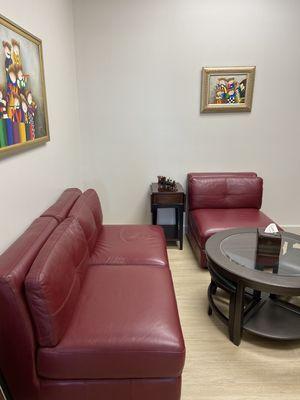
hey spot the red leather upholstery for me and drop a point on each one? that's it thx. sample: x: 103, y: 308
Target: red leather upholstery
x: 83, y: 214
x: 225, y: 192
x: 60, y: 209
x: 222, y: 174
x: 91, y: 198
x: 125, y: 326
x: 219, y: 201
x: 112, y: 389
x: 130, y: 244
x: 17, y: 341
x: 104, y: 332
x: 53, y: 282
x: 206, y: 222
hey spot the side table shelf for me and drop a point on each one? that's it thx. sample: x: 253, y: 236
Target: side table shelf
x: 175, y: 200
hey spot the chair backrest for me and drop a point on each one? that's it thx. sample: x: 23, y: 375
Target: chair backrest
x: 17, y: 338
x: 224, y: 190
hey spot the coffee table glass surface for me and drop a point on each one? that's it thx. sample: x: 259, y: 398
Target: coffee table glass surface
x: 241, y: 248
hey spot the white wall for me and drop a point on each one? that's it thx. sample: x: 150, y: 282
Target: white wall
x: 139, y: 68
x: 139, y: 65
x: 33, y: 179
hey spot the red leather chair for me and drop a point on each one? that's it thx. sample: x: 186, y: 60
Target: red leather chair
x: 218, y: 201
x: 88, y: 311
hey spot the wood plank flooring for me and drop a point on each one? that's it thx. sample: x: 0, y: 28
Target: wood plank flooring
x: 258, y: 369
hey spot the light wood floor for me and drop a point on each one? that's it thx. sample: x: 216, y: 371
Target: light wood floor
x: 258, y: 369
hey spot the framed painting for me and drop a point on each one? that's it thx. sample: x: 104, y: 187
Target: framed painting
x: 227, y: 89
x: 23, y: 104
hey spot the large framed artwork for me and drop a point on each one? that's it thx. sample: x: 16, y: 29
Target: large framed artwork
x: 23, y: 104
x: 227, y: 89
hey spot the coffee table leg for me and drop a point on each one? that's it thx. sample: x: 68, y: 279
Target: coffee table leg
x: 236, y: 310
x: 213, y: 290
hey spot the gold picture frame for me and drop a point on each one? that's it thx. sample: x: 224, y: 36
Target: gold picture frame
x: 227, y: 89
x: 23, y: 100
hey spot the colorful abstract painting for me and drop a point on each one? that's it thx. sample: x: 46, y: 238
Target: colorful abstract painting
x: 227, y: 89
x: 23, y: 108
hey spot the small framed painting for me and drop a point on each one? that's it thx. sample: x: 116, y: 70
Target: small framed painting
x: 23, y: 104
x: 227, y: 89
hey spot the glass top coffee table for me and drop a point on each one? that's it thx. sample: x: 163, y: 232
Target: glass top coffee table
x: 256, y: 270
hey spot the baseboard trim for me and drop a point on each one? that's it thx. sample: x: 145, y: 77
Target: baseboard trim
x: 291, y: 228
x: 288, y: 228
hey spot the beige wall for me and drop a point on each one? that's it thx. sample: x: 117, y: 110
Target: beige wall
x: 139, y: 68
x: 33, y: 179
x: 138, y: 72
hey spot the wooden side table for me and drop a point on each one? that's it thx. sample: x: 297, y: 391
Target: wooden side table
x: 176, y: 200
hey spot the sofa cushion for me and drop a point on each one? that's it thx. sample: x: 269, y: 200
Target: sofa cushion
x: 125, y: 325
x: 225, y: 192
x: 54, y: 280
x: 83, y: 214
x: 91, y: 198
x: 130, y: 244
x: 205, y: 222
x: 61, y: 208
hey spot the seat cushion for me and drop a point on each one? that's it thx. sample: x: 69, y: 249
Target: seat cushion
x: 205, y: 222
x: 125, y: 325
x: 53, y: 282
x: 130, y: 244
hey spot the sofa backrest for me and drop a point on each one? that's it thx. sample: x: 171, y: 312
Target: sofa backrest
x: 91, y: 198
x: 83, y: 214
x: 17, y: 332
x: 224, y: 190
x: 54, y: 280
x: 61, y: 208
x: 17, y: 339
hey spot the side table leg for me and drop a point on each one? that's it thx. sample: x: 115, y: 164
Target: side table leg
x: 181, y: 228
x: 236, y: 310
x: 154, y: 216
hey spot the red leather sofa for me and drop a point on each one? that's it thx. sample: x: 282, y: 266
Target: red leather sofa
x: 87, y: 310
x: 218, y: 201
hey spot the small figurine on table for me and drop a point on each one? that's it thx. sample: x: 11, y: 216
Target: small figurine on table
x: 166, y: 184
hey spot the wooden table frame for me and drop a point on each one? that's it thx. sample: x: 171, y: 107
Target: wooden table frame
x: 175, y: 200
x: 260, y: 290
